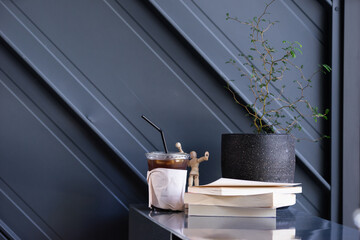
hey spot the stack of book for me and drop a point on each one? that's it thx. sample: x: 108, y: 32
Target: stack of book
x: 241, y: 198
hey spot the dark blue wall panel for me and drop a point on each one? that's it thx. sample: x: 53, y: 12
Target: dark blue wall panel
x: 58, y: 179
x: 75, y: 77
x: 203, y: 24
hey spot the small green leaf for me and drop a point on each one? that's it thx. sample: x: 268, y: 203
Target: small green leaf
x: 292, y: 54
x: 327, y: 67
x: 298, y: 44
x: 299, y: 50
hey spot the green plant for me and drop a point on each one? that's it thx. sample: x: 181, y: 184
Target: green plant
x: 268, y: 110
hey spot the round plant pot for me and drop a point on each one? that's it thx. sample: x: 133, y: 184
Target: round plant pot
x: 258, y: 157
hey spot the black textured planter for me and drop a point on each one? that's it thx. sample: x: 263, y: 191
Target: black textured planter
x: 259, y: 157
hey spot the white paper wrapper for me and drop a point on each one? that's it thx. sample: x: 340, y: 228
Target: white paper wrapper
x: 167, y: 188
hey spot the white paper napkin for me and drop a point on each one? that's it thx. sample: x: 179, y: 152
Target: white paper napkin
x: 167, y: 188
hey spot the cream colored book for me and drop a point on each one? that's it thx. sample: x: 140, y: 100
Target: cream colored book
x: 235, y: 187
x: 270, y: 200
x: 201, y: 234
x: 200, y: 222
x: 230, y: 182
x: 243, y: 191
x: 204, y: 210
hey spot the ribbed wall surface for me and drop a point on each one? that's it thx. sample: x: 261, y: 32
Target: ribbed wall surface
x: 75, y: 77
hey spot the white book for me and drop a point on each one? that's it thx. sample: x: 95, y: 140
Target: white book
x: 203, y: 210
x: 201, y: 222
x: 270, y: 200
x: 243, y: 191
x: 236, y: 187
x: 230, y: 182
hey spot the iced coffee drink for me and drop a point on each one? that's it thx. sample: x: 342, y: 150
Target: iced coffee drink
x: 167, y: 160
x: 167, y: 180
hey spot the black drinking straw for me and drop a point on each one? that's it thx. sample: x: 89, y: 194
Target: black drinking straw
x: 157, y: 128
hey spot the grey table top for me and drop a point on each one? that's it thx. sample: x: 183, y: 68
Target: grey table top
x: 289, y: 224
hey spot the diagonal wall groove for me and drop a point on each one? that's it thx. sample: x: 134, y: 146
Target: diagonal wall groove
x: 89, y: 70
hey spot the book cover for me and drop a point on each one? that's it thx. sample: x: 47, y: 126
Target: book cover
x: 230, y: 182
x: 243, y: 191
x: 270, y: 200
x: 203, y: 210
x: 201, y: 222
